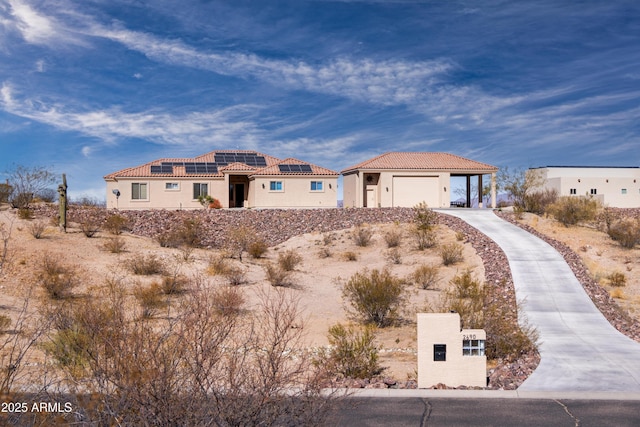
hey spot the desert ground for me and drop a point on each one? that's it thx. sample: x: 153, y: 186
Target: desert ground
x: 317, y: 279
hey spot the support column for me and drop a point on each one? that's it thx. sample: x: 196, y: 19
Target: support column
x: 480, y: 191
x: 493, y: 190
x: 468, y: 191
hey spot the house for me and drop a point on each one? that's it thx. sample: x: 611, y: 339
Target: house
x: 613, y: 186
x: 448, y: 354
x: 236, y: 178
x: 404, y: 179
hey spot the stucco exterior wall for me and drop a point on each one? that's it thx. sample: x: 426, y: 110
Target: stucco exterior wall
x: 350, y: 195
x: 296, y: 192
x: 159, y: 197
x: 615, y: 187
x: 458, y: 369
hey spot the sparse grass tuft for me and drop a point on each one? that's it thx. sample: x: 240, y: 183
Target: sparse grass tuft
x: 451, y: 253
x: 235, y: 275
x: 278, y: 276
x: 362, y: 235
x: 115, y: 244
x: 350, y: 256
x: 617, y: 279
x: 257, y: 249
x: 145, y: 265
x: 150, y: 299
x: 57, y: 279
x: 37, y: 228
x: 425, y: 276
x: 393, y: 256
x: 289, y: 260
x: 393, y: 237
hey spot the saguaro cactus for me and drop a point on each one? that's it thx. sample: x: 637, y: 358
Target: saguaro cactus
x: 62, y: 203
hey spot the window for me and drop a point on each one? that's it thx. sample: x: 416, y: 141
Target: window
x: 275, y: 186
x: 439, y: 352
x: 573, y: 191
x: 138, y: 191
x: 624, y: 191
x: 200, y: 190
x: 316, y: 186
x: 593, y: 191
x: 473, y: 347
x: 171, y: 186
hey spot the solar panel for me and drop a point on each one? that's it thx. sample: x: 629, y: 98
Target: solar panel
x: 163, y: 168
x: 285, y: 168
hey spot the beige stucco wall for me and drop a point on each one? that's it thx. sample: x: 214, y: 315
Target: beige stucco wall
x: 457, y: 370
x: 296, y: 192
x: 350, y: 195
x: 609, y: 184
x: 158, y: 197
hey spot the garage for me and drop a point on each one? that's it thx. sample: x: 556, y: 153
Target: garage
x: 408, y: 191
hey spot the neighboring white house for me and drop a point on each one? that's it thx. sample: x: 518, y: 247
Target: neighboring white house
x: 449, y: 355
x: 236, y: 178
x: 614, y: 186
x: 404, y: 179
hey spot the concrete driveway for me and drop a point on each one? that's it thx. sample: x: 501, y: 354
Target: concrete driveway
x: 579, y: 349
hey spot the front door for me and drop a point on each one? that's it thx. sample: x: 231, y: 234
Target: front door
x: 238, y: 193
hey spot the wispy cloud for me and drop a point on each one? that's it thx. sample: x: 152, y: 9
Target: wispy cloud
x: 36, y: 27
x: 190, y: 129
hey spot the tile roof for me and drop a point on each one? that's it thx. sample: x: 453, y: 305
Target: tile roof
x: 275, y: 170
x: 421, y: 161
x: 144, y: 171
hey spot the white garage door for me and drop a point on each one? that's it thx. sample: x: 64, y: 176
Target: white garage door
x: 408, y: 191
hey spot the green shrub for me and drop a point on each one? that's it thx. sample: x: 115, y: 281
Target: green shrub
x: 426, y: 276
x: 626, y: 232
x: 617, y: 279
x: 362, y: 235
x: 465, y: 296
x: 353, y: 353
x: 451, y: 253
x: 145, y: 265
x: 289, y: 260
x: 56, y: 278
x: 570, y: 210
x: 423, y: 217
x: 508, y: 338
x: 375, y: 296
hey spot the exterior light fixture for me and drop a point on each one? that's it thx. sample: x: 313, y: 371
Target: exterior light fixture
x: 263, y: 186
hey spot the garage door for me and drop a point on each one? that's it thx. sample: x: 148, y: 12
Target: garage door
x: 408, y: 191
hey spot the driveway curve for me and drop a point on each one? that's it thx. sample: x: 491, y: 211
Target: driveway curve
x: 579, y: 349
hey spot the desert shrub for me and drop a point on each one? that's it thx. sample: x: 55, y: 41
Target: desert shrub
x: 218, y: 265
x: 145, y: 265
x: 91, y: 222
x: 56, y: 278
x: 37, y: 228
x: 227, y: 300
x: 115, y: 244
x: 362, y: 235
x: 538, y: 202
x: 425, y: 276
x: 626, y: 232
x: 617, y: 293
x: 5, y: 322
x: 393, y: 237
x: 174, y: 284
x: 116, y: 224
x: 424, y: 238
x: 150, y: 298
x: 257, y: 249
x: 570, y: 210
x: 277, y: 275
x: 508, y: 338
x: 423, y: 217
x: 25, y: 213
x: 235, y: 275
x: 375, y: 296
x: 324, y: 253
x: 328, y: 238
x: 350, y: 256
x: 617, y: 279
x: 451, y: 253
x: 189, y: 233
x: 352, y: 353
x: 465, y: 296
x: 460, y: 236
x: 240, y: 240
x: 393, y: 256
x: 289, y: 260
x: 5, y: 192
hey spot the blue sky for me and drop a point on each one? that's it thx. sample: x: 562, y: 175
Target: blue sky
x: 89, y: 87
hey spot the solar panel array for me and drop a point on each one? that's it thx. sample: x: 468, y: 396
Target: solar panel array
x: 189, y: 167
x: 295, y: 168
x: 251, y: 159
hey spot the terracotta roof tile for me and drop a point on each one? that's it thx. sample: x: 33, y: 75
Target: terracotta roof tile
x: 421, y: 160
x: 275, y: 170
